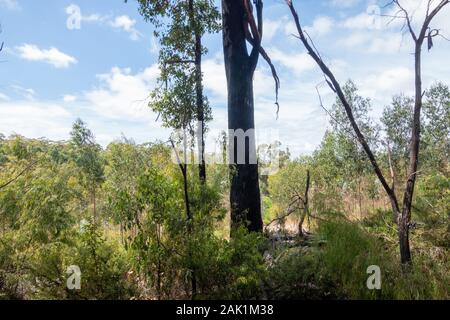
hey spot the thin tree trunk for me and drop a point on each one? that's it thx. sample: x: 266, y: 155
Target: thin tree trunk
x: 305, y: 204
x: 335, y: 86
x: 405, y: 218
x: 199, y: 93
x: 425, y: 33
x: 404, y: 215
x: 200, y: 108
x: 360, y: 199
x: 189, y: 218
x: 189, y: 225
x: 158, y: 281
x: 94, y: 204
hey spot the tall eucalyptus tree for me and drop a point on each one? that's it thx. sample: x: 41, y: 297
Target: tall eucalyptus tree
x: 180, y: 27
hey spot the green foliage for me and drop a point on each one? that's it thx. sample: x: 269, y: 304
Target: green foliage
x: 230, y: 269
x: 143, y: 245
x: 436, y: 135
x: 180, y: 26
x: 335, y: 268
x: 432, y: 209
x: 87, y: 154
x: 286, y: 186
x: 104, y: 267
x: 397, y: 120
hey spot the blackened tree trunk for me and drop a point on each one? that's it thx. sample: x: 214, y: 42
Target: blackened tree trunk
x: 245, y: 199
x: 200, y: 107
x: 405, y: 218
x: 426, y: 33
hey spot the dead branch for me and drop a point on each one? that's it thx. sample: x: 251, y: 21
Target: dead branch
x: 426, y: 32
x: 287, y: 213
x: 254, y: 35
x: 335, y: 86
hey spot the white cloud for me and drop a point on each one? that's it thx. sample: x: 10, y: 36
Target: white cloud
x: 361, y: 21
x: 296, y: 62
x: 34, y: 119
x: 69, y: 98
x: 118, y: 104
x: 214, y: 77
x: 377, y: 42
x: 95, y: 17
x: 388, y: 82
x: 128, y: 25
x: 51, y: 56
x: 271, y: 27
x: 321, y: 26
x: 417, y: 11
x: 154, y: 46
x: 344, y: 3
x: 123, y: 22
x: 375, y: 31
x: 10, y: 4
x: 4, y: 97
x: 298, y: 101
x: 26, y: 93
x: 123, y: 95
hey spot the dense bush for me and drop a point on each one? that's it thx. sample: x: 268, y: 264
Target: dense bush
x: 335, y: 267
x: 120, y: 215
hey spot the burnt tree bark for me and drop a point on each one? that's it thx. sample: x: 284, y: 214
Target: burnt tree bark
x: 426, y: 32
x: 245, y: 199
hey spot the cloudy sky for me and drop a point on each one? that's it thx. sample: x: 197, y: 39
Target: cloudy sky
x: 53, y: 72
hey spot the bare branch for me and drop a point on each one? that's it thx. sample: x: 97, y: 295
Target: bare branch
x: 290, y: 210
x: 407, y: 18
x: 266, y: 57
x: 256, y: 29
x: 334, y: 84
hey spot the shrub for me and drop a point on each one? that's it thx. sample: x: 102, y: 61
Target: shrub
x: 335, y: 267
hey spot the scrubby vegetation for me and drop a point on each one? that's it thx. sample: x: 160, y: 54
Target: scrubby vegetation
x: 119, y: 214
x: 126, y: 221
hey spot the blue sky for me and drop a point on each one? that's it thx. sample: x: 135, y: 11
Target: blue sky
x: 104, y: 71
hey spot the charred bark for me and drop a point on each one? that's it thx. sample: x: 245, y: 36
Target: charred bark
x: 245, y: 197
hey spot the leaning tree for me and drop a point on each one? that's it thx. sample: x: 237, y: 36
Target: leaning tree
x: 425, y: 34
